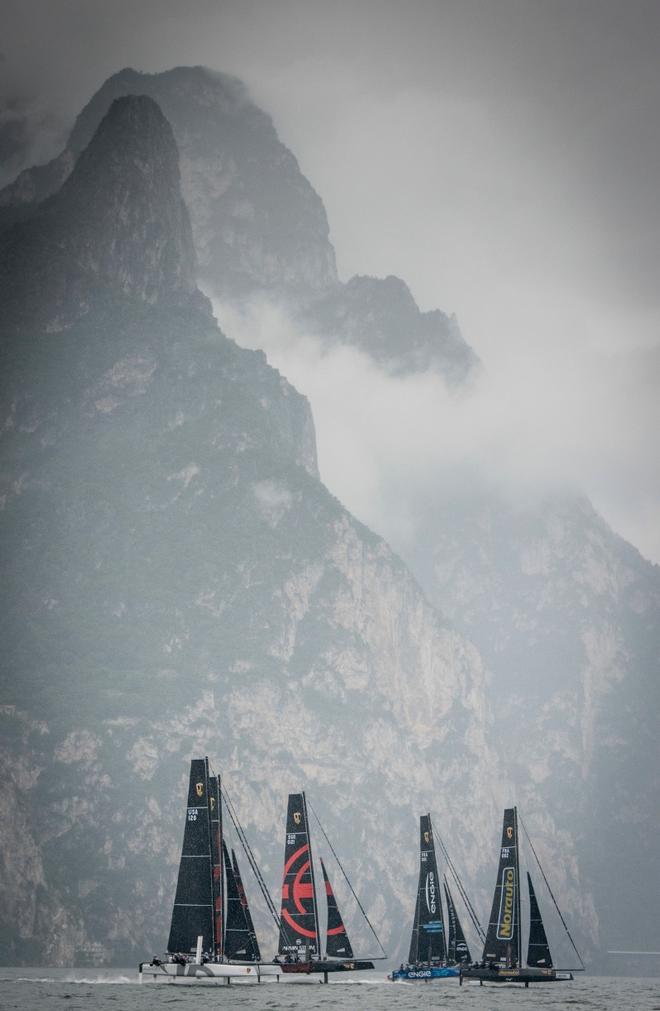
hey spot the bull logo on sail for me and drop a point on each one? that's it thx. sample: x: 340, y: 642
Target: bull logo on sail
x: 297, y: 817
x: 509, y: 831
x: 506, y: 918
x: 427, y: 838
x: 213, y: 803
x: 199, y: 789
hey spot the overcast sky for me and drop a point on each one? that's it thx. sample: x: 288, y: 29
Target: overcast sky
x: 501, y: 156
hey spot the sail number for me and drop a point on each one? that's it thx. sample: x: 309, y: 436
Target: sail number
x: 192, y: 813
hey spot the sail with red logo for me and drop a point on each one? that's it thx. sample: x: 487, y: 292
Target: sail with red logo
x: 337, y: 942
x: 299, y: 927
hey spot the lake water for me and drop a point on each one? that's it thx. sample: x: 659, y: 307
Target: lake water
x: 118, y: 990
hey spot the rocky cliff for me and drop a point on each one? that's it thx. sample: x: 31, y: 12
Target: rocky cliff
x: 260, y: 229
x: 179, y: 582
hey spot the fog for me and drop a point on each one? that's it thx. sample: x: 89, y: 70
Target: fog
x: 536, y: 422
x: 499, y: 156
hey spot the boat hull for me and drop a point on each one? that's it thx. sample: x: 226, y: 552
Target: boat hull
x: 205, y: 972
x: 524, y: 975
x: 226, y: 972
x: 324, y: 966
x: 425, y: 974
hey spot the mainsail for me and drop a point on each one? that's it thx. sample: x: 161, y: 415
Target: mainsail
x: 192, y: 915
x: 337, y: 942
x: 427, y: 943
x: 215, y: 816
x: 457, y: 948
x: 538, y: 951
x: 299, y: 929
x: 503, y: 937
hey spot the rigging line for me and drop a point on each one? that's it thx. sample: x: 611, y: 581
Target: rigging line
x: 272, y: 909
x: 463, y: 893
x: 339, y: 864
x: 568, y: 933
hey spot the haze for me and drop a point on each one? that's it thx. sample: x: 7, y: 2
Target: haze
x: 499, y: 156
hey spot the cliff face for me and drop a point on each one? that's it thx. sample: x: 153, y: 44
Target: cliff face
x: 259, y: 227
x: 179, y: 582
x: 257, y: 221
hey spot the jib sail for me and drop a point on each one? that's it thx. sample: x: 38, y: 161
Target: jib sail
x: 538, y: 951
x: 299, y: 930
x: 215, y: 815
x: 427, y: 943
x: 192, y: 914
x: 503, y: 936
x: 253, y: 948
x: 240, y: 940
x: 457, y: 947
x: 337, y: 942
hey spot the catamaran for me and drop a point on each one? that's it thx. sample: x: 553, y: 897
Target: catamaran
x: 434, y: 953
x: 300, y: 945
x: 212, y: 937
x: 502, y: 960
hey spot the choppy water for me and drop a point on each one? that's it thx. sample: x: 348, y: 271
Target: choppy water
x: 118, y: 990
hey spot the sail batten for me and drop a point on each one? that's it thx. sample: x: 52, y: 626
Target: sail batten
x: 503, y: 938
x: 192, y: 912
x: 427, y: 942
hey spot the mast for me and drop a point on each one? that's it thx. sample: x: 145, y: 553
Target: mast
x: 457, y: 948
x: 538, y: 951
x: 192, y: 913
x: 337, y: 942
x: 299, y: 930
x: 215, y: 816
x: 427, y: 943
x: 503, y: 938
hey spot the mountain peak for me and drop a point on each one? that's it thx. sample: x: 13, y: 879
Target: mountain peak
x: 119, y: 222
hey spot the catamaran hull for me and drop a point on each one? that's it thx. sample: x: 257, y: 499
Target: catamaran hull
x: 425, y: 975
x: 206, y: 972
x: 525, y: 975
x: 223, y: 972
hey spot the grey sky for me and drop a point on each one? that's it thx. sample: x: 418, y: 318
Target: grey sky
x: 501, y: 156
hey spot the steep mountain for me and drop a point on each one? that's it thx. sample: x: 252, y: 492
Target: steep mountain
x: 177, y: 581
x: 259, y: 227
x: 567, y: 615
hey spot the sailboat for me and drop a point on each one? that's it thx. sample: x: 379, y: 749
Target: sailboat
x: 300, y: 948
x: 212, y: 936
x: 434, y: 953
x: 502, y: 955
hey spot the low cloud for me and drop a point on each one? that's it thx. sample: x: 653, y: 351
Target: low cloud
x: 536, y: 422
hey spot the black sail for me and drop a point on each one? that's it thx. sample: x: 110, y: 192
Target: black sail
x: 457, y: 947
x: 192, y: 914
x: 239, y: 938
x: 337, y: 942
x: 427, y: 943
x: 503, y: 936
x: 538, y: 951
x: 299, y: 929
x: 253, y: 953
x: 215, y: 814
